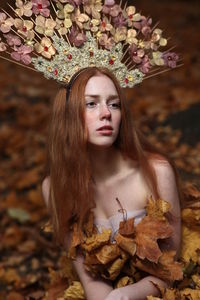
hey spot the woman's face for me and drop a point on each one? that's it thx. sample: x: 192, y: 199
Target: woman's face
x: 102, y: 111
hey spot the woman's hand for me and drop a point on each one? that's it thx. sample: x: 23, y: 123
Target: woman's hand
x: 117, y: 295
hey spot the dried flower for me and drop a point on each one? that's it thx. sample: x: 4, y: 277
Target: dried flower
x: 45, y: 48
x: 24, y: 9
x: 157, y: 37
x: 12, y: 40
x: 131, y: 36
x: 105, y: 25
x: 120, y: 34
x: 24, y: 28
x: 61, y: 26
x: 93, y: 8
x: 136, y: 54
x: 120, y: 20
x: 5, y: 23
x: 157, y: 59
x: 115, y: 10
x: 22, y: 54
x: 132, y: 15
x: 41, y: 7
x: 145, y: 65
x: 76, y: 37
x: 79, y: 18
x: 170, y: 59
x: 107, y: 42
x: 45, y: 26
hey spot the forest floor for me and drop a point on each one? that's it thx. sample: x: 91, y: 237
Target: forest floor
x: 166, y: 108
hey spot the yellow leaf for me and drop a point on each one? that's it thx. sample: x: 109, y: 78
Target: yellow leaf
x: 74, y: 291
x: 126, y: 244
x: 190, y: 294
x: 124, y: 281
x: 97, y: 240
x: 190, y: 244
x: 108, y: 253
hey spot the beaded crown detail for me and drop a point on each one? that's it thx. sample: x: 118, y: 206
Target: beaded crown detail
x: 60, y: 37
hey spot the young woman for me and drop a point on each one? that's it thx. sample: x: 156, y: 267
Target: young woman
x: 96, y: 155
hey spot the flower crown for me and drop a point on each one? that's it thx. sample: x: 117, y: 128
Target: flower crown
x: 60, y: 37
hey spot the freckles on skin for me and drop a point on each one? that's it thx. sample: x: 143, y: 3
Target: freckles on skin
x: 102, y: 109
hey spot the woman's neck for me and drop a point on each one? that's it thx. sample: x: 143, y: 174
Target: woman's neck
x: 106, y: 163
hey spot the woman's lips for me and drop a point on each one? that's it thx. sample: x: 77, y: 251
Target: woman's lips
x: 105, y: 130
x: 106, y: 127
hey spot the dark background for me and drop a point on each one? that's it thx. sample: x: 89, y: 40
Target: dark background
x: 166, y: 108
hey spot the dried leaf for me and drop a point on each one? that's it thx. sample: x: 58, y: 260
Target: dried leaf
x: 126, y: 244
x: 191, y: 217
x: 124, y: 281
x: 74, y: 291
x: 157, y: 208
x: 148, y: 231
x: 190, y: 294
x: 126, y: 228
x: 166, y: 269
x: 97, y: 240
x: 114, y: 269
x: 108, y: 253
x: 190, y: 244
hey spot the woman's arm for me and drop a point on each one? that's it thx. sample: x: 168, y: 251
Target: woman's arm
x: 94, y: 289
x: 168, y: 191
x: 137, y: 291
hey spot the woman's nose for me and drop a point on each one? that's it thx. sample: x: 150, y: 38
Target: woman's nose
x: 104, y: 111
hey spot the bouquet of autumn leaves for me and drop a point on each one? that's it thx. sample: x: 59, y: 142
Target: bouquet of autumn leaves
x: 133, y: 249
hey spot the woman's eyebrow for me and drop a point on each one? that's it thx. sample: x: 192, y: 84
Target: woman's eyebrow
x: 110, y: 97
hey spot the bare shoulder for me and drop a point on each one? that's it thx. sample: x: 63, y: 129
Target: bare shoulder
x: 167, y: 183
x: 163, y: 169
x: 46, y: 189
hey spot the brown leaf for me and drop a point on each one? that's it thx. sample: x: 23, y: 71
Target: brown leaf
x: 127, y: 227
x: 126, y: 244
x: 148, y: 231
x: 166, y: 269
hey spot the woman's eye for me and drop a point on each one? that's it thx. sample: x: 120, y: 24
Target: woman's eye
x: 90, y: 104
x: 115, y: 105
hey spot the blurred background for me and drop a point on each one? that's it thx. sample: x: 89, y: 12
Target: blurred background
x: 166, y: 108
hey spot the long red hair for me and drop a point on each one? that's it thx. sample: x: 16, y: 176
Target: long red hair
x: 71, y: 185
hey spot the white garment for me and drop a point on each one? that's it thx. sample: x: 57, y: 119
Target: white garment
x: 113, y: 221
